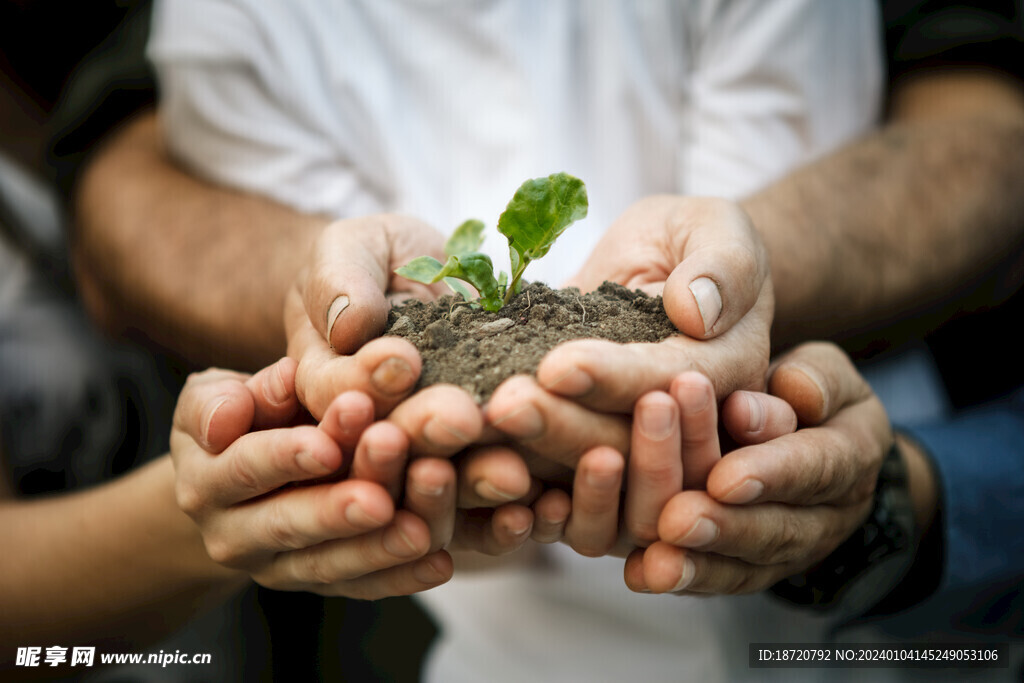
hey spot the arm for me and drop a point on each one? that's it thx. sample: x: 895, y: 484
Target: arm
x: 906, y: 219
x: 116, y: 563
x: 200, y: 269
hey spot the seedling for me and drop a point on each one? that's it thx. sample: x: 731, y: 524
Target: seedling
x: 539, y: 212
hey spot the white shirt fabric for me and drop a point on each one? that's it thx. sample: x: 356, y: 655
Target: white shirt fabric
x: 440, y: 110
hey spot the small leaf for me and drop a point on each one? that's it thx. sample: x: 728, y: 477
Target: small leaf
x: 476, y: 269
x: 540, y: 211
x: 425, y: 269
x: 467, y: 238
x: 459, y: 288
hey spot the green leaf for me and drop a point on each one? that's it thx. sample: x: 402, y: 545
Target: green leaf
x: 476, y: 269
x: 467, y: 238
x: 539, y: 212
x: 425, y: 269
x: 459, y: 288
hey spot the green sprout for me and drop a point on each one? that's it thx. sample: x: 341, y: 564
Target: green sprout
x: 539, y: 212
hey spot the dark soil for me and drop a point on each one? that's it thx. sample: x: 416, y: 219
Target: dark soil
x: 477, y: 349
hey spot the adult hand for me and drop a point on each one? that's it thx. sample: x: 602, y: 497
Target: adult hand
x: 774, y: 509
x: 340, y: 303
x: 704, y: 257
x: 674, y: 445
x: 257, y: 485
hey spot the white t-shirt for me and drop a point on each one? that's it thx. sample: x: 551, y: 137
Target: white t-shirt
x: 440, y: 110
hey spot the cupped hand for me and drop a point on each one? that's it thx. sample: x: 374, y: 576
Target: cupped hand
x: 704, y: 257
x: 339, y: 304
x: 776, y: 508
x: 261, y: 487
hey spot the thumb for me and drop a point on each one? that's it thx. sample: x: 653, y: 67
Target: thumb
x: 343, y: 291
x: 722, y: 275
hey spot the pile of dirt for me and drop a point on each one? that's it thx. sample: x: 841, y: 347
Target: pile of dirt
x: 477, y: 349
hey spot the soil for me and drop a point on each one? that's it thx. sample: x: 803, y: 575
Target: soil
x: 477, y: 349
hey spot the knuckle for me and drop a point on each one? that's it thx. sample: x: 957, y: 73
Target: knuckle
x: 189, y: 498
x: 242, y: 474
x: 223, y: 552
x: 280, y: 530
x: 316, y: 570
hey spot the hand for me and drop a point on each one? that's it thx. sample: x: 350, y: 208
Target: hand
x: 262, y: 502
x: 774, y: 509
x: 706, y: 260
x: 340, y: 303
x: 674, y: 445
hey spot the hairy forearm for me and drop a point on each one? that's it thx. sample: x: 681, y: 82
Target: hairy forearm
x: 198, y: 269
x: 116, y: 564
x: 905, y: 222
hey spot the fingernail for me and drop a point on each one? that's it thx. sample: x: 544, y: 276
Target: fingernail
x: 309, y: 463
x: 574, y: 382
x: 427, y: 491
x: 689, y: 572
x: 393, y: 376
x: 524, y: 422
x: 656, y: 421
x: 709, y: 301
x: 209, y: 412
x: 425, y: 572
x: 358, y: 517
x: 397, y: 543
x: 696, y: 401
x: 814, y: 378
x: 703, y: 533
x: 277, y: 393
x: 519, y: 531
x: 756, y: 412
x: 602, y: 480
x: 351, y: 422
x: 440, y: 433
x: 382, y: 457
x: 487, y: 491
x: 336, y: 309
x: 747, y: 492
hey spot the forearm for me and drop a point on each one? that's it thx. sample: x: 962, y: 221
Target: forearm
x: 904, y: 221
x: 119, y: 563
x: 198, y: 269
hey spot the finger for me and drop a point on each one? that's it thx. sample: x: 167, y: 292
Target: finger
x: 253, y: 465
x: 214, y: 409
x: 769, y: 533
x: 497, y: 531
x: 593, y: 525
x: 385, y: 369
x: 550, y: 513
x: 655, y: 469
x: 492, y: 476
x: 818, y: 380
x: 273, y: 393
x: 347, y: 417
x: 405, y: 579
x: 297, y: 518
x: 551, y: 426
x: 381, y: 456
x: 610, y: 377
x: 344, y: 290
x: 407, y: 538
x: 440, y: 420
x: 699, y: 417
x: 836, y: 463
x: 668, y: 569
x: 430, y: 495
x: 751, y: 417
x: 633, y: 571
x: 722, y: 274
